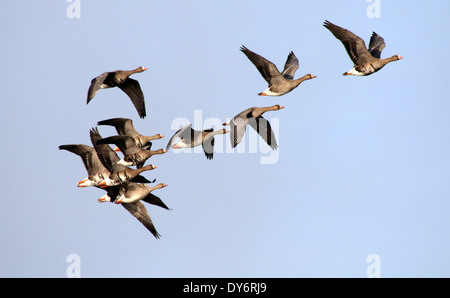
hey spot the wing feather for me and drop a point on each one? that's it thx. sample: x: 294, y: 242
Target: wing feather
x: 95, y: 86
x: 376, y: 45
x: 267, y: 69
x: 290, y: 67
x: 262, y: 126
x: 132, y: 88
x: 353, y: 44
x: 140, y: 213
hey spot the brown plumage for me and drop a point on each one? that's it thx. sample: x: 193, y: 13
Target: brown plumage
x: 126, y: 174
x: 121, y: 79
x: 190, y: 138
x: 136, y: 208
x: 124, y: 126
x: 366, y: 60
x: 118, y: 173
x: 133, y: 154
x: 97, y: 172
x: 253, y: 117
x: 279, y: 83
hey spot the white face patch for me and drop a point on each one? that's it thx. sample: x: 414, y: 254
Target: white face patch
x: 105, y: 198
x: 85, y: 183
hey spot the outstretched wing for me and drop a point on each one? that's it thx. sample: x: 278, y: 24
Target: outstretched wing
x: 154, y: 200
x: 107, y: 156
x: 126, y: 144
x: 290, y: 67
x: 138, y: 210
x: 208, y: 144
x: 353, y: 44
x: 132, y: 88
x: 123, y: 126
x: 376, y: 45
x: 267, y: 69
x: 237, y: 130
x: 263, y: 128
x: 95, y: 86
x: 88, y: 156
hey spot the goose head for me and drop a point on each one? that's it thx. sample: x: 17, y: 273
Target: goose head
x: 104, y: 199
x: 86, y: 183
x: 105, y: 183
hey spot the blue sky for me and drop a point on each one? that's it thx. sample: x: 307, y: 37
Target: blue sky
x: 363, y: 162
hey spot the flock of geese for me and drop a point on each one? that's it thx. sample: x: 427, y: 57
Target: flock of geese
x: 121, y: 177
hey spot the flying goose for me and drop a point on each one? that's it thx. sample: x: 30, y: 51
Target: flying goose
x: 139, y: 192
x: 127, y: 174
x: 120, y: 78
x: 117, y: 173
x: 133, y: 154
x: 124, y: 126
x: 115, y: 192
x: 137, y: 209
x: 190, y: 138
x: 253, y: 117
x: 97, y: 172
x: 366, y: 60
x: 279, y: 83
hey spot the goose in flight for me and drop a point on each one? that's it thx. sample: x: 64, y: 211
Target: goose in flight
x: 121, y: 79
x: 190, y: 138
x: 124, y: 126
x: 366, y: 61
x: 133, y: 154
x: 253, y: 117
x: 97, y: 172
x: 136, y: 208
x: 279, y: 83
